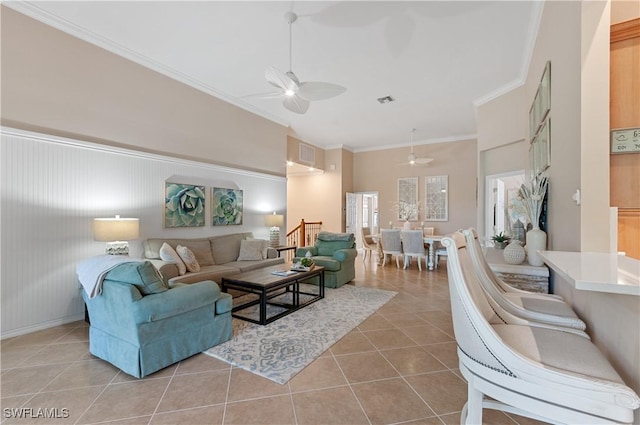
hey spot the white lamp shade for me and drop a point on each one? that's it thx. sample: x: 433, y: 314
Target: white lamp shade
x: 274, y: 220
x: 115, y: 229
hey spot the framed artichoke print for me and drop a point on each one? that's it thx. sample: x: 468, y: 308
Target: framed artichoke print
x: 183, y: 205
x: 226, y: 206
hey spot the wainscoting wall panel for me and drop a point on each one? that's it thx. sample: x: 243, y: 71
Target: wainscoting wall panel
x: 53, y: 188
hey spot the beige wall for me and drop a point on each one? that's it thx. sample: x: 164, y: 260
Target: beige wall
x: 502, y: 121
x: 571, y: 36
x: 624, y: 10
x: 378, y: 171
x: 58, y: 84
x: 321, y: 197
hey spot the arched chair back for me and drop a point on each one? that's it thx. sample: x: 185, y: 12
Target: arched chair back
x: 536, y: 307
x: 391, y: 244
x: 413, y: 246
x: 368, y: 243
x: 541, y: 373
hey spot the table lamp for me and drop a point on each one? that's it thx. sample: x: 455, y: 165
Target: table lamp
x: 274, y: 221
x: 116, y: 232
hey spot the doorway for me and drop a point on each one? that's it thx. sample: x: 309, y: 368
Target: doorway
x: 501, y: 207
x: 366, y: 215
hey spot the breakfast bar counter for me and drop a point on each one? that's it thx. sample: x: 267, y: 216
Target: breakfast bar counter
x: 596, y: 271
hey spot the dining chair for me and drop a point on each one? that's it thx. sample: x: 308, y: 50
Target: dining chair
x: 542, y: 373
x: 368, y: 243
x: 413, y: 247
x: 391, y: 245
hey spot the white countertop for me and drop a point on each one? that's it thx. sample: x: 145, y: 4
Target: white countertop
x: 596, y: 271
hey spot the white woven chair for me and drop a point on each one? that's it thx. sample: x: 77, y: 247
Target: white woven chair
x: 527, y: 305
x: 544, y: 374
x: 391, y: 245
x: 413, y: 247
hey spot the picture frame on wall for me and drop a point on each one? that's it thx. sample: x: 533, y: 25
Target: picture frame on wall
x: 436, y: 198
x: 544, y: 91
x: 226, y: 206
x: 544, y: 146
x: 183, y: 205
x: 407, y: 206
x: 533, y: 157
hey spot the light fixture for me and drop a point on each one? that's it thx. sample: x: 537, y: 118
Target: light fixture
x: 274, y: 221
x: 116, y: 232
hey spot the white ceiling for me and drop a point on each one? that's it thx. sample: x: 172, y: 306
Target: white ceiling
x: 438, y: 59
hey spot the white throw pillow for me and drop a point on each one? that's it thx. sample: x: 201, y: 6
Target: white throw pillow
x: 168, y: 254
x: 189, y: 258
x: 251, y: 250
x: 265, y: 246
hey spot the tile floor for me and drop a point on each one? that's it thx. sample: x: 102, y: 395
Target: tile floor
x: 398, y: 366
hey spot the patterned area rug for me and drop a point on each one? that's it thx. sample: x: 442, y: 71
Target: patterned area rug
x: 281, y: 349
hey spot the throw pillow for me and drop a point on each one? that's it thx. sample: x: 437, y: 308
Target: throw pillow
x: 265, y: 246
x: 189, y: 258
x: 143, y: 276
x: 168, y: 254
x: 250, y: 249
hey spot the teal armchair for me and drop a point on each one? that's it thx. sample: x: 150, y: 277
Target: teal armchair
x: 140, y: 325
x: 336, y: 252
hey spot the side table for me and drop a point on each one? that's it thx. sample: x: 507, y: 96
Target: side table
x: 521, y: 276
x: 282, y: 248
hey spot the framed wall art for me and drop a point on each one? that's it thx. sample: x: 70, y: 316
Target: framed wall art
x: 226, y: 206
x: 436, y: 198
x: 407, y: 199
x: 183, y: 205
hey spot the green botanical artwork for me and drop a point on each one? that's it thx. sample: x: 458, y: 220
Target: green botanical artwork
x: 183, y: 205
x: 227, y: 206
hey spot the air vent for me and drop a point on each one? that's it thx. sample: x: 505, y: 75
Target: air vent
x: 307, y: 154
x: 386, y: 99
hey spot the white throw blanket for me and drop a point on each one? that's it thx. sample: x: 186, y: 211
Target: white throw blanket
x: 91, y: 272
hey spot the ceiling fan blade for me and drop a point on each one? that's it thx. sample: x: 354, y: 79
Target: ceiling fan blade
x: 266, y: 95
x: 277, y: 78
x: 296, y: 104
x: 423, y: 160
x: 316, y: 90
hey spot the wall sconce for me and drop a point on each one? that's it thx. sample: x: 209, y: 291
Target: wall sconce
x: 275, y: 222
x: 116, y: 232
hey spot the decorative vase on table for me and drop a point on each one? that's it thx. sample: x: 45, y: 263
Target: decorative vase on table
x: 407, y: 225
x: 536, y: 241
x: 514, y: 253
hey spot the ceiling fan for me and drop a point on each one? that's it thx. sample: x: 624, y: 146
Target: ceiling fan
x: 412, y: 159
x: 296, y: 95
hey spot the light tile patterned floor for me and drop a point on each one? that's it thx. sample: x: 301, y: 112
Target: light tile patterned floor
x: 399, y: 366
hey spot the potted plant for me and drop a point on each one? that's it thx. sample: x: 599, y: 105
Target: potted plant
x: 500, y: 240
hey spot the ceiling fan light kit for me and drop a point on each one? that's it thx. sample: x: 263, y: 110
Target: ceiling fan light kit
x: 296, y: 95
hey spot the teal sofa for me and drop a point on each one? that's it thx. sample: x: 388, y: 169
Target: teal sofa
x: 140, y: 325
x: 336, y: 252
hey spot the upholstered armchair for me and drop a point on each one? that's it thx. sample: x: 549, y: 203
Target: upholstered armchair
x: 140, y: 325
x: 336, y: 252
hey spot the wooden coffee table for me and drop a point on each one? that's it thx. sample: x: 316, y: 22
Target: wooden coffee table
x: 282, y: 293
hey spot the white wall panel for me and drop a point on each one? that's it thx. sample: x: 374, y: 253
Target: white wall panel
x: 52, y: 188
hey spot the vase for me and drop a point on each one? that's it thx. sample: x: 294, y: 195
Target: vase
x: 536, y: 241
x: 514, y: 253
x: 407, y: 225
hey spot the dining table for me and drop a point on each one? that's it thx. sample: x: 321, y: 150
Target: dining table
x: 430, y: 240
